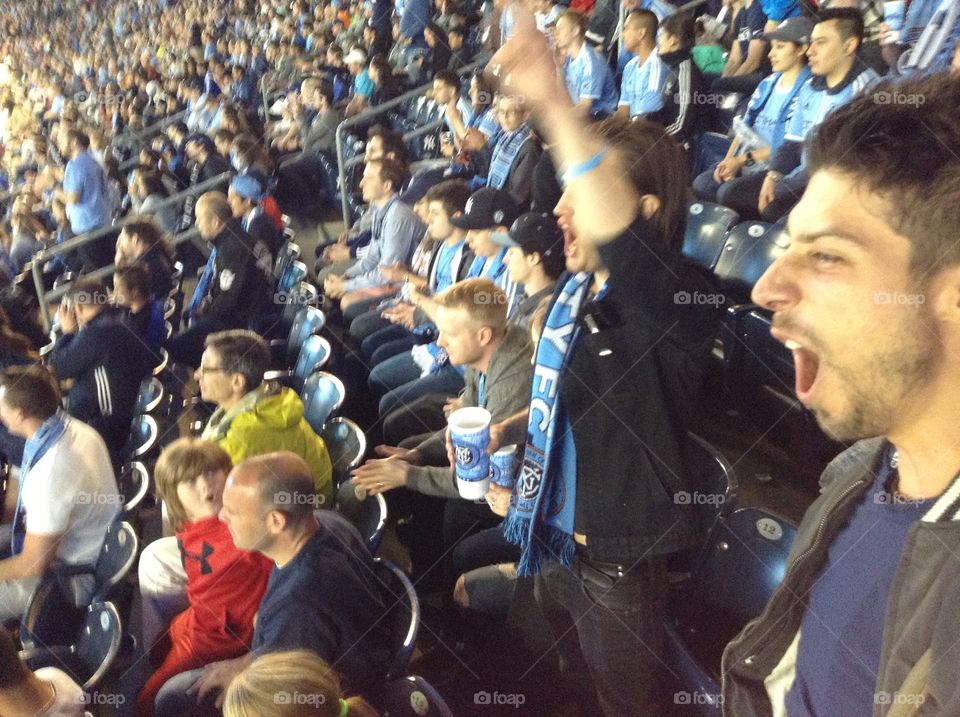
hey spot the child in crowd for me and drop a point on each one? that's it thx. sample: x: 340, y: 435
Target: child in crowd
x: 224, y: 584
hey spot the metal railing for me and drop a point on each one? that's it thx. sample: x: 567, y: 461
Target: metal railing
x: 43, y: 256
x: 364, y: 117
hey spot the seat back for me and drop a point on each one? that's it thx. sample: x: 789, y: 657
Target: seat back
x: 308, y: 321
x: 98, y: 644
x: 412, y: 697
x: 322, y: 395
x: 134, y: 484
x: 707, y: 227
x: 743, y: 563
x: 368, y: 514
x: 346, y: 444
x: 403, y: 613
x: 286, y: 255
x: 52, y: 617
x: 295, y: 272
x: 314, y: 354
x: 144, y: 433
x: 150, y: 395
x: 749, y: 250
x: 117, y: 556
x: 711, y: 480
x: 303, y: 294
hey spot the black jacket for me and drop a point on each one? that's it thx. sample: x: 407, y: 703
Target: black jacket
x: 682, y: 97
x: 107, y: 360
x: 519, y: 184
x: 630, y: 390
x: 160, y: 266
x: 242, y: 277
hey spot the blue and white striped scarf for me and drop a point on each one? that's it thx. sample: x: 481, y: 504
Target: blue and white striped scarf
x: 504, y: 154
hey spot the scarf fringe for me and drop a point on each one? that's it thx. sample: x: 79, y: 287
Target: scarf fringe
x: 516, y: 529
x: 560, y: 546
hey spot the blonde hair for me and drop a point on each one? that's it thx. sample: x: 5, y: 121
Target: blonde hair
x: 182, y: 461
x: 481, y: 299
x: 297, y: 683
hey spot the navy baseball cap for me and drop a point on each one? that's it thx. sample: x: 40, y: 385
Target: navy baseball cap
x: 794, y: 29
x: 487, y: 208
x: 533, y: 232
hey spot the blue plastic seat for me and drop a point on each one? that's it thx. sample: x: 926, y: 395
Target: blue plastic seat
x: 322, y: 395
x: 403, y: 613
x: 412, y: 696
x: 367, y: 513
x: 707, y: 227
x: 346, y: 444
x: 749, y: 250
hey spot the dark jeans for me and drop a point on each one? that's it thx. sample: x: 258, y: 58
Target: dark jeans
x: 367, y: 324
x: 463, y: 519
x: 742, y: 194
x: 423, y: 415
x: 785, y: 196
x: 610, y: 628
x: 187, y: 347
x: 446, y: 380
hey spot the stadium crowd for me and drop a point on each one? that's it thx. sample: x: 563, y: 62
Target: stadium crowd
x: 524, y: 258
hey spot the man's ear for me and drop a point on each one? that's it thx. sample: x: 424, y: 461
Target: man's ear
x: 650, y: 204
x: 485, y: 335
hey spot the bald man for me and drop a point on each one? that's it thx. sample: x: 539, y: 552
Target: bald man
x: 322, y: 595
x: 235, y: 290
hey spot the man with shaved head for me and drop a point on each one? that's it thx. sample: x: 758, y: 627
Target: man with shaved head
x: 234, y: 290
x: 322, y: 596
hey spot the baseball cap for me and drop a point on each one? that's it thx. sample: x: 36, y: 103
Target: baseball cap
x: 356, y: 55
x: 247, y: 186
x: 793, y: 29
x: 487, y: 208
x: 533, y: 232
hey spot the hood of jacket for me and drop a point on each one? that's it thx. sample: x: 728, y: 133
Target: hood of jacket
x: 270, y: 405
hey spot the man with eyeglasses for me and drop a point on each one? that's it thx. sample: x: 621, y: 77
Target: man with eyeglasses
x: 253, y: 417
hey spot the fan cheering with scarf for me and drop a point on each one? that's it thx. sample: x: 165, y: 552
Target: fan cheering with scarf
x: 616, y: 376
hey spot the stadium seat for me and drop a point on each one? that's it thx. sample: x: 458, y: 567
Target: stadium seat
x: 403, y: 613
x: 307, y: 322
x: 707, y: 227
x: 314, y: 354
x: 743, y: 562
x: 346, y: 445
x: 367, y: 513
x: 144, y: 434
x: 47, y: 620
x: 411, y: 697
x: 88, y: 658
x: 295, y: 272
x: 302, y: 295
x: 134, y: 484
x: 287, y: 254
x: 322, y: 395
x: 750, y: 248
x: 150, y: 396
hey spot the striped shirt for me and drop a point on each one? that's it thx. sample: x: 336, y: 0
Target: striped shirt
x: 642, y: 85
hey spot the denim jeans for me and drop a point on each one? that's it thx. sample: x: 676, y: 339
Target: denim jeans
x: 742, y: 194
x: 609, y: 628
x: 446, y: 380
x: 173, y: 700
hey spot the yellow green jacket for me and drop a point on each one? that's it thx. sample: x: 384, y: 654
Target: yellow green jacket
x: 270, y: 418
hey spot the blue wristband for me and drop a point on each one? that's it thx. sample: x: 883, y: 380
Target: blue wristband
x: 580, y: 169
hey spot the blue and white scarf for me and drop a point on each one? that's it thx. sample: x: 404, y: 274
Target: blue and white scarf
x: 34, y: 449
x: 504, y: 154
x: 542, y: 506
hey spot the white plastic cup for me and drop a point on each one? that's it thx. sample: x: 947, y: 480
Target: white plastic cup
x: 503, y: 466
x: 894, y: 12
x: 470, y: 434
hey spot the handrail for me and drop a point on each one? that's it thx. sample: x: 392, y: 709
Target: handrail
x: 44, y: 255
x: 364, y: 117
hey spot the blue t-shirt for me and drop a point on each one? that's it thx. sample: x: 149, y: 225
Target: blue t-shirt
x: 326, y: 599
x: 815, y: 101
x: 362, y: 84
x: 588, y: 77
x: 642, y: 85
x: 767, y: 121
x: 85, y: 177
x: 841, y: 636
x: 749, y: 26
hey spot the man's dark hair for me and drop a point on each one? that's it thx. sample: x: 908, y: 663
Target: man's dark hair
x: 682, y: 26
x: 325, y: 88
x: 392, y: 171
x: 137, y: 279
x: 453, y: 194
x: 905, y: 150
x: 88, y: 291
x: 392, y: 142
x: 553, y: 261
x: 648, y: 20
x: 242, y: 352
x: 577, y: 19
x: 448, y: 78
x: 31, y: 389
x: 80, y: 137
x: 849, y: 22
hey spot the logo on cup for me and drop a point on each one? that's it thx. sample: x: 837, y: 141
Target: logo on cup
x: 464, y: 455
